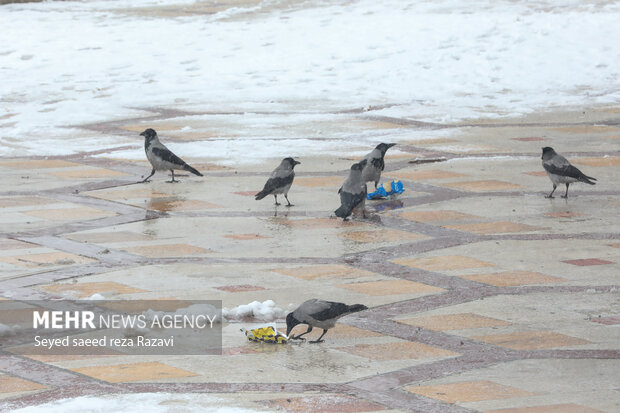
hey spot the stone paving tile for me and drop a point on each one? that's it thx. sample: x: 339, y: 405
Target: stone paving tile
x: 245, y: 237
x: 122, y: 373
x: 422, y: 175
x: 513, y: 278
x: 482, y: 185
x: 312, y: 272
x: 319, y: 181
x: 549, y: 408
x: 69, y: 214
x: 586, y: 262
x: 10, y: 384
x: 167, y: 250
x: 397, y: 351
x: 469, y: 391
x: 435, y: 216
x: 391, y: 287
x: 532, y: 340
x: 89, y: 173
x: 86, y: 289
x: 21, y: 201
x: 238, y: 288
x: 443, y: 263
x: 598, y: 162
x: 38, y: 164
x: 494, y: 227
x: 107, y: 237
x: 45, y: 259
x: 381, y: 236
x: 318, y: 403
x: 453, y: 322
x: 13, y: 244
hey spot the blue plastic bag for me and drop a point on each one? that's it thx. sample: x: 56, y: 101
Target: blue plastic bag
x: 388, y: 189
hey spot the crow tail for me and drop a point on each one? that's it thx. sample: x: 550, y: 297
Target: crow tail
x: 343, y: 212
x: 261, y: 195
x: 192, y: 170
x: 587, y: 179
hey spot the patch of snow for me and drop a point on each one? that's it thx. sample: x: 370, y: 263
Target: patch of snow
x: 147, y: 402
x: 6, y: 330
x: 265, y: 311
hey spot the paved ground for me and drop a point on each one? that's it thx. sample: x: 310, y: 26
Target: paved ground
x: 485, y: 295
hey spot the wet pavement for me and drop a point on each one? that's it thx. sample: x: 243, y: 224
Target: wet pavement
x: 483, y: 295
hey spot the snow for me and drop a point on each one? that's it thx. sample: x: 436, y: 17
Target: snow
x: 265, y: 311
x: 147, y: 402
x: 71, y: 63
x: 6, y: 330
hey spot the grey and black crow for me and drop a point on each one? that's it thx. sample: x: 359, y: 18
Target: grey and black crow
x: 280, y: 181
x: 319, y: 313
x: 375, y: 163
x: 353, y: 192
x: 560, y: 171
x: 162, y: 158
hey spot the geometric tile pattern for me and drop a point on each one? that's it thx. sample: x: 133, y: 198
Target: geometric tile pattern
x: 390, y: 287
x: 312, y: 272
x: 481, y: 186
x: 338, y: 403
x: 87, y: 289
x: 397, y: 351
x: 471, y: 391
x: 513, y: 278
x: 134, y: 372
x: 453, y: 322
x: 532, y: 340
x: 9, y: 384
x: 432, y: 216
x: 493, y: 227
x: 443, y: 263
x: 588, y: 262
x: 550, y: 408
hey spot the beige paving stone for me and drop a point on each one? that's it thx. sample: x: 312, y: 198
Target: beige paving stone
x: 604, y: 161
x: 167, y: 250
x: 46, y: 259
x: 386, y: 235
x: 38, y: 164
x: 108, y: 237
x: 513, y: 278
x: 482, y: 185
x: 320, y: 181
x: 397, y: 351
x: 531, y: 340
x: 586, y: 129
x: 536, y: 173
x: 20, y: 201
x: 434, y: 216
x: 549, y: 408
x: 168, y: 205
x: 89, y: 173
x: 10, y: 384
x: 338, y: 403
x: 469, y: 391
x: 320, y: 223
x: 69, y: 214
x: 122, y: 373
x: 454, y: 322
x: 434, y: 141
x: 494, y: 227
x: 312, y: 272
x: 245, y: 237
x: 443, y: 263
x: 421, y: 175
x: 126, y: 193
x: 86, y: 289
x: 391, y: 287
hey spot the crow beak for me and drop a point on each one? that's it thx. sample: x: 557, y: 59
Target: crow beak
x: 297, y: 162
x: 389, y: 145
x: 288, y: 331
x: 143, y: 134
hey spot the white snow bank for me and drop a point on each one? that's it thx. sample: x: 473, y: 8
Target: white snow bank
x: 8, y: 330
x: 147, y: 402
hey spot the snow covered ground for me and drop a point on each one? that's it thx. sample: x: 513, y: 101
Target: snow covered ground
x: 146, y: 402
x: 69, y: 63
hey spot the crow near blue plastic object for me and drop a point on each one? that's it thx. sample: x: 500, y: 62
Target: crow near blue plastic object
x: 387, y: 189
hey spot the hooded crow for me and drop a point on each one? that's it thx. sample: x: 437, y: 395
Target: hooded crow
x: 319, y: 313
x: 280, y: 181
x: 560, y: 171
x: 162, y: 158
x: 353, y: 192
x: 375, y: 163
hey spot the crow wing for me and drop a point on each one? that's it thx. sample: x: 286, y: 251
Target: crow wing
x: 563, y: 170
x: 168, y: 156
x: 274, y: 183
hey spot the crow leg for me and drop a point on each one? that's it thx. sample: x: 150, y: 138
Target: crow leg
x: 551, y: 194
x: 289, y: 202
x: 172, y: 180
x: 303, y: 334
x: 147, y: 178
x: 276, y: 197
x: 565, y: 196
x: 318, y: 340
x: 376, y: 183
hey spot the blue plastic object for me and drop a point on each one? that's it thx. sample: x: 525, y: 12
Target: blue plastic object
x: 388, y: 189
